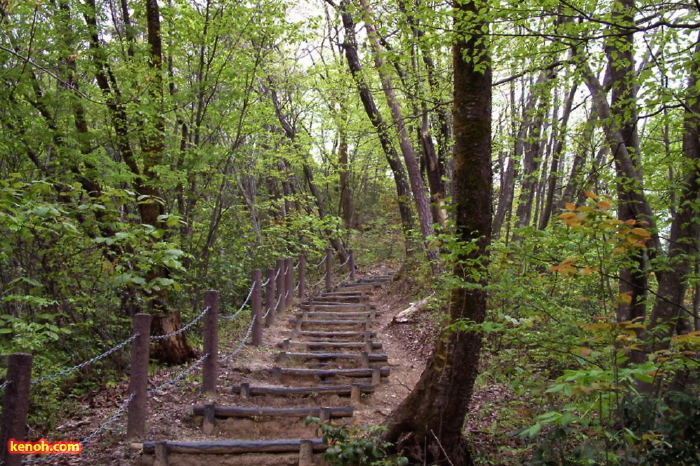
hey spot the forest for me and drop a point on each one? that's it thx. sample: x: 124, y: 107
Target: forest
x: 533, y: 164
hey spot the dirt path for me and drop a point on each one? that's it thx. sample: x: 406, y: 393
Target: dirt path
x: 170, y: 413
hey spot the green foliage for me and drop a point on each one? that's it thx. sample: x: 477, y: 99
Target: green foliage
x: 356, y: 446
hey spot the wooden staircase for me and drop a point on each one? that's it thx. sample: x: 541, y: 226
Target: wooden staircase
x: 325, y: 367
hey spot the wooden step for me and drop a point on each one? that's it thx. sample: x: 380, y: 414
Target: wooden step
x: 298, y: 372
x: 299, y: 323
x: 341, y: 390
x: 235, y: 411
x: 337, y: 315
x: 375, y: 345
x: 321, y: 334
x: 338, y: 307
x: 338, y: 299
x: 232, y: 447
x: 344, y: 293
x: 372, y: 357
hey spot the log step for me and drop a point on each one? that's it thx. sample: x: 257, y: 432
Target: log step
x: 384, y: 372
x: 339, y: 299
x: 376, y: 345
x: 303, y: 321
x: 338, y: 315
x: 320, y: 334
x: 338, y: 307
x: 344, y: 390
x: 235, y: 411
x: 344, y: 293
x: 232, y: 447
x: 373, y: 357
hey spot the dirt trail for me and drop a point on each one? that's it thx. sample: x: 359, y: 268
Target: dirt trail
x: 170, y: 413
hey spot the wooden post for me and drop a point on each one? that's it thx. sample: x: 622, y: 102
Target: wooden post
x: 325, y: 414
x: 245, y: 390
x: 302, y: 276
x: 281, y: 287
x: 364, y: 359
x: 376, y: 376
x: 306, y: 453
x: 352, y: 265
x: 355, y: 394
x: 329, y: 272
x: 270, y: 297
x: 290, y: 282
x: 161, y: 453
x: 208, y: 420
x: 138, y: 377
x: 256, y: 306
x: 211, y: 343
x: 15, y: 405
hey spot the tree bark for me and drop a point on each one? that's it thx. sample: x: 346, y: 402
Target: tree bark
x: 685, y: 230
x: 412, y: 165
x: 428, y: 424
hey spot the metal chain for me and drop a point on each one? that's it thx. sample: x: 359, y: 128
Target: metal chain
x: 92, y: 436
x: 5, y: 384
x: 183, y: 329
x: 264, y: 284
x: 345, y: 279
x: 242, y: 342
x: 86, y: 363
x: 322, y: 261
x: 178, y: 377
x: 346, y: 261
x: 235, y: 314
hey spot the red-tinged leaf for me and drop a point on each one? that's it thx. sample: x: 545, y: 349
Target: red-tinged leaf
x: 640, y: 232
x: 585, y: 352
x: 631, y: 222
x: 591, y: 195
x: 604, y: 205
x: 570, y: 206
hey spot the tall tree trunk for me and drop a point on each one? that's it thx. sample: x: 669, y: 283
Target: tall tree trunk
x: 685, y: 231
x: 173, y: 350
x: 403, y: 191
x: 428, y: 424
x: 559, y: 135
x: 414, y: 175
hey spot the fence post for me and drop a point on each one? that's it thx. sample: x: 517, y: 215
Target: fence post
x: 138, y: 377
x: 211, y: 343
x: 15, y: 405
x: 302, y: 276
x: 256, y: 305
x: 290, y: 281
x: 329, y: 272
x: 270, y: 297
x: 352, y: 264
x: 281, y: 288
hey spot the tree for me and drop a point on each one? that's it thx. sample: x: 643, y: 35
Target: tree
x: 429, y: 422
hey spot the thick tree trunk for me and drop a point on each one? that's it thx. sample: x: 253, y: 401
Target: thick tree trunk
x: 685, y: 231
x: 428, y: 424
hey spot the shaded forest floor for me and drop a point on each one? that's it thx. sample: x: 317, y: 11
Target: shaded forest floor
x: 408, y: 346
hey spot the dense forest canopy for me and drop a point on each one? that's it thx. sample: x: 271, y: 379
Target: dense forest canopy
x: 151, y: 149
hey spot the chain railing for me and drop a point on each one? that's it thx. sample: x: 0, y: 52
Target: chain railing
x: 82, y: 365
x: 286, y: 288
x: 183, y: 329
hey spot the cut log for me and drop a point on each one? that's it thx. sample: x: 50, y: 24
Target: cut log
x: 373, y: 357
x: 341, y: 390
x: 384, y: 371
x: 405, y: 315
x: 344, y: 293
x: 339, y: 299
x: 234, y: 411
x: 232, y: 447
x: 320, y: 334
x: 330, y: 344
x: 294, y: 320
x: 338, y: 307
x: 337, y: 315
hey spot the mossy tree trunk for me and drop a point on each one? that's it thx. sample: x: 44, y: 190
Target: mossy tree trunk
x: 428, y: 424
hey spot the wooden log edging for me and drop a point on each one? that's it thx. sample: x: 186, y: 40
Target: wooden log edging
x: 369, y: 345
x: 308, y: 391
x: 373, y: 357
x: 235, y: 411
x: 230, y: 447
x: 363, y: 372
